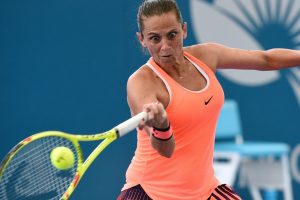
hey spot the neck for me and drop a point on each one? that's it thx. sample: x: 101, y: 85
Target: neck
x: 178, y: 69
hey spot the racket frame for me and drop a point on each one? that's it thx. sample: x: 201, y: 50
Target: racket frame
x: 107, y: 137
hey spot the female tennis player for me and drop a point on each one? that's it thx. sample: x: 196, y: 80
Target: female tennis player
x: 179, y: 90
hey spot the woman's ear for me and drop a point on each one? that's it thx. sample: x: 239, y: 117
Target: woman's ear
x: 141, y: 39
x: 184, y: 28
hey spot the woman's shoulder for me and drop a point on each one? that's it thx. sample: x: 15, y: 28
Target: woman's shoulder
x: 206, y: 52
x: 144, y: 83
x: 203, y: 48
x: 143, y: 74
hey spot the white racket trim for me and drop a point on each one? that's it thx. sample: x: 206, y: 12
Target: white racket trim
x: 131, y: 123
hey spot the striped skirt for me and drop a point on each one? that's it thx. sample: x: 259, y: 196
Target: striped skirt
x: 222, y: 192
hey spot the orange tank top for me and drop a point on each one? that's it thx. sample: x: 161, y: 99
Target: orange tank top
x: 188, y: 174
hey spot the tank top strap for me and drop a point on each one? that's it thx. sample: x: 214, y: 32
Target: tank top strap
x: 199, y: 63
x: 167, y: 80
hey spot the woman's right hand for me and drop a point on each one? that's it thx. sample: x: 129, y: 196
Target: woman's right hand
x: 157, y: 116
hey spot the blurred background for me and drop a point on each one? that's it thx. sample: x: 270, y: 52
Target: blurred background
x: 64, y: 66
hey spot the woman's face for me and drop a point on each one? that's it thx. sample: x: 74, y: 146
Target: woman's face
x: 163, y: 37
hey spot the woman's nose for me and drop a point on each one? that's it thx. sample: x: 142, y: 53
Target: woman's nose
x: 165, y: 44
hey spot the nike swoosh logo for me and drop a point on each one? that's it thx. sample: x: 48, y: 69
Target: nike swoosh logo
x: 207, y: 102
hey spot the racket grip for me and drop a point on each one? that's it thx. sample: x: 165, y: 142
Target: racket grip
x: 131, y: 124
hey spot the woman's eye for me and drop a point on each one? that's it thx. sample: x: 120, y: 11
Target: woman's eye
x: 172, y: 35
x: 155, y: 39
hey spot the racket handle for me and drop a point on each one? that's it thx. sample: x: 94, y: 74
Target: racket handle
x: 131, y: 123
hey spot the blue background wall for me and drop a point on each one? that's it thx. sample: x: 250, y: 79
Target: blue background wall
x: 64, y: 66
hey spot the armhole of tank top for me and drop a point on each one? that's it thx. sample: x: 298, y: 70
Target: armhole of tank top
x: 191, y: 58
x: 201, y: 71
x: 164, y: 81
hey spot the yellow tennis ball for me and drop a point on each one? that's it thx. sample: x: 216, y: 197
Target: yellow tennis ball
x: 62, y: 158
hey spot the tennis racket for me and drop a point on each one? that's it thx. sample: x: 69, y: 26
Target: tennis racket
x: 26, y: 173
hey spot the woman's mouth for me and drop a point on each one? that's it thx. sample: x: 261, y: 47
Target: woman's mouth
x: 166, y: 56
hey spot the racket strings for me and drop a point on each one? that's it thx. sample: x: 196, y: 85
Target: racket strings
x: 30, y: 174
x: 39, y: 169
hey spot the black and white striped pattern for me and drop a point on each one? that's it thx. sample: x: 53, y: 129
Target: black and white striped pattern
x: 134, y: 193
x: 224, y: 192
